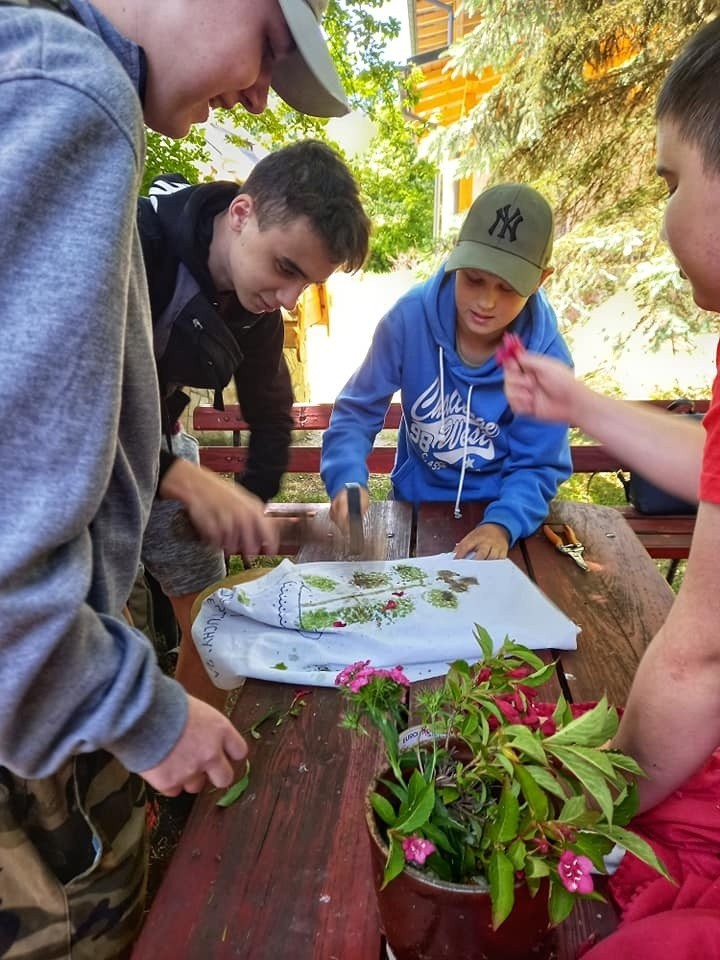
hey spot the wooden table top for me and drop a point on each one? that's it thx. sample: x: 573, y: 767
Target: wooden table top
x: 285, y: 872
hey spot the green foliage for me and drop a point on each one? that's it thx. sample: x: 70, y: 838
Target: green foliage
x: 573, y: 114
x: 164, y: 155
x: 397, y: 191
x: 396, y: 185
x: 493, y: 785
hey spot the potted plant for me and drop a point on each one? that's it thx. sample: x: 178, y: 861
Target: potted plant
x: 490, y: 795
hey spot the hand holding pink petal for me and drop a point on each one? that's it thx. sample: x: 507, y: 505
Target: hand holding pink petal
x: 511, y: 348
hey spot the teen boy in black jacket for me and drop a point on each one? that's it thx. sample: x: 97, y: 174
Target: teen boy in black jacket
x: 221, y: 261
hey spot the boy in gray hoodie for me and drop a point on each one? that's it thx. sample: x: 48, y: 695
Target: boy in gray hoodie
x: 82, y: 700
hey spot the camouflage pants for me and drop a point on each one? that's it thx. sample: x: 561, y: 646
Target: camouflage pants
x: 73, y: 862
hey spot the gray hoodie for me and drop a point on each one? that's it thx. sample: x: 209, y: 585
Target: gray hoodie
x: 79, y: 420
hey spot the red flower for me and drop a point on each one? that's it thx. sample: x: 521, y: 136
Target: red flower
x: 339, y: 623
x: 391, y: 605
x: 510, y: 348
x: 519, y: 672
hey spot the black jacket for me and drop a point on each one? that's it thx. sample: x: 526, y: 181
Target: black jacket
x: 203, y: 338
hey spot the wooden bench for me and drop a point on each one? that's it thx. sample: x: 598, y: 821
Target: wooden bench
x: 664, y: 537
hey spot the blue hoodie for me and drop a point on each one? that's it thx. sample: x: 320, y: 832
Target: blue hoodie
x: 459, y: 439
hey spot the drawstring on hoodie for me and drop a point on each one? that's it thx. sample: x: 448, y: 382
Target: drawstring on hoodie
x: 442, y: 393
x: 458, y: 512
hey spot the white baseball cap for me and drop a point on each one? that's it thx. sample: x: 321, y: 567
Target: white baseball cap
x: 307, y: 80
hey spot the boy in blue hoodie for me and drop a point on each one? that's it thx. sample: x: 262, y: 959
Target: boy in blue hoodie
x: 459, y: 439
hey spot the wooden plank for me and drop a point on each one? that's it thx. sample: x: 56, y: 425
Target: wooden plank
x: 438, y: 530
x: 305, y: 416
x: 387, y: 526
x: 619, y: 603
x: 302, y: 459
x: 281, y: 872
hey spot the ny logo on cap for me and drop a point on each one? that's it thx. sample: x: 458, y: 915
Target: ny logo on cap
x: 508, y: 223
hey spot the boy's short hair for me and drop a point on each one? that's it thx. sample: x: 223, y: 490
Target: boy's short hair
x: 508, y: 231
x: 689, y: 95
x: 309, y: 179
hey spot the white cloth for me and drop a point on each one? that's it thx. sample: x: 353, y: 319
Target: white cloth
x: 302, y: 623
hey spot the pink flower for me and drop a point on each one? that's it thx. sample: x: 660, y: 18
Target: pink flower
x: 510, y: 349
x: 574, y: 870
x: 339, y: 623
x: 417, y: 850
x: 360, y: 673
x: 361, y: 680
x: 398, y: 676
x: 483, y: 674
x: 391, y: 605
x: 346, y: 674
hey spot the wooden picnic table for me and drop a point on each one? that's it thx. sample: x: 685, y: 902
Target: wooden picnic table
x: 285, y: 871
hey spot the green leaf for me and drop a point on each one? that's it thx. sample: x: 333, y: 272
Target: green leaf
x: 517, y: 853
x: 593, y: 846
x: 438, y: 837
x: 623, y: 762
x: 536, y: 868
x: 395, y: 863
x: 562, y: 714
x: 573, y: 809
x: 236, y: 790
x: 561, y: 902
x: 535, y: 796
x: 590, y: 730
x: 545, y: 780
x: 485, y: 641
x: 418, y: 811
x: 626, y: 806
x: 525, y: 740
x: 439, y: 867
x: 383, y: 808
x: 637, y: 846
x: 592, y: 780
x: 536, y: 679
x: 501, y: 878
x: 506, y: 819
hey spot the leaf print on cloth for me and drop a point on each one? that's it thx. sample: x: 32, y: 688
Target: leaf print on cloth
x: 317, y: 617
x: 320, y: 583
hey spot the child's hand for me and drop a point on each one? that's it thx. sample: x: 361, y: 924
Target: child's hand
x: 489, y: 541
x: 339, y: 509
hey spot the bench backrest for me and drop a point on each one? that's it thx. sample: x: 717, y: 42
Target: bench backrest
x: 587, y: 458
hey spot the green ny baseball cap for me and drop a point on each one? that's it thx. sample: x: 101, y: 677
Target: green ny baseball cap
x: 509, y: 232
x: 307, y: 79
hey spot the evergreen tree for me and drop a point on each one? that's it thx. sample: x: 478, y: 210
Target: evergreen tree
x: 573, y: 114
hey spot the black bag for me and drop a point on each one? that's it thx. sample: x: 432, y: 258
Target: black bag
x: 648, y: 498
x: 201, y: 351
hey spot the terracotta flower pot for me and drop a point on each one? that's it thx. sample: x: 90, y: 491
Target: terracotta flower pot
x: 428, y: 919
